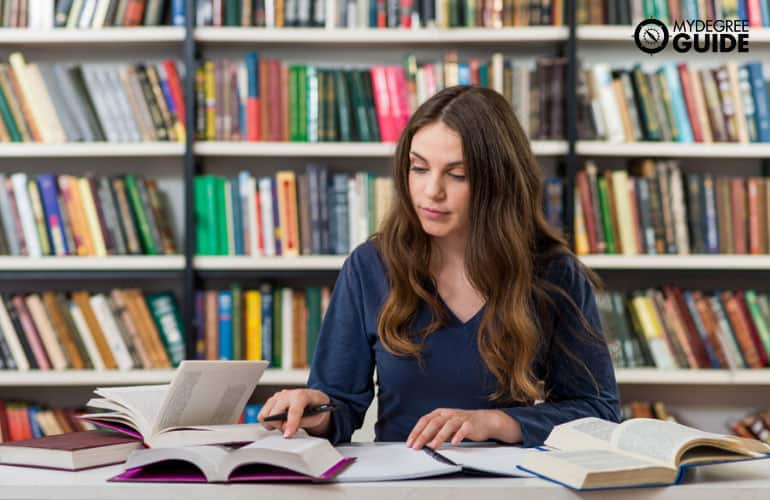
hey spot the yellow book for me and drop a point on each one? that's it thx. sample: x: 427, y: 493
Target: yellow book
x: 653, y: 331
x: 211, y: 101
x: 581, y: 236
x: 70, y: 189
x: 89, y: 209
x: 37, y: 212
x: 735, y: 91
x: 286, y: 189
x: 253, y: 300
x: 623, y: 212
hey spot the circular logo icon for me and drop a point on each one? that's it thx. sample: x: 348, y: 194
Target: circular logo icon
x: 651, y: 36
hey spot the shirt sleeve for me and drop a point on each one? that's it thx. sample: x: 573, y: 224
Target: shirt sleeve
x: 574, y: 388
x: 343, y: 362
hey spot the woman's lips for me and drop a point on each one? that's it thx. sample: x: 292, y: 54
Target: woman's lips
x: 433, y: 214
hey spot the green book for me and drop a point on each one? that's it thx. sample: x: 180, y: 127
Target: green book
x: 359, y: 106
x: 645, y: 104
x: 138, y: 208
x: 332, y: 133
x: 313, y: 302
x: 232, y: 12
x: 759, y: 319
x: 604, y: 207
x: 371, y: 111
x: 165, y: 313
x: 10, y: 123
x: 202, y: 228
x: 311, y: 86
x: 293, y: 104
x: 302, y: 102
x: 277, y: 328
x: 343, y: 106
x: 237, y: 318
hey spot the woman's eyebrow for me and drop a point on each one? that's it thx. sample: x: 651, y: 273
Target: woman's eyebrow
x: 456, y: 163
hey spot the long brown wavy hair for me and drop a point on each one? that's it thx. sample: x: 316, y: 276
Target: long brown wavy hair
x: 509, y: 242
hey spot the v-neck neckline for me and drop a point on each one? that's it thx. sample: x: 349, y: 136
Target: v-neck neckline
x: 454, y: 316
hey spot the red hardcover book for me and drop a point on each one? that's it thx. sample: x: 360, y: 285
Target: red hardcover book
x: 696, y: 344
x: 689, y: 99
x: 744, y: 309
x: 134, y: 13
x: 69, y: 451
x: 175, y: 86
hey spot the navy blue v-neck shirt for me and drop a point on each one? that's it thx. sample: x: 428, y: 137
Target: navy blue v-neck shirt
x: 453, y: 374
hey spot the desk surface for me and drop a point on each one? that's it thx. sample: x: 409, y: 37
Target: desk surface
x: 749, y: 480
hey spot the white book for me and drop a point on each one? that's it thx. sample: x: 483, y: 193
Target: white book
x: 255, y: 225
x: 28, y: 226
x: 394, y: 461
x: 72, y: 19
x: 85, y: 335
x: 30, y: 95
x: 111, y: 74
x: 111, y: 330
x: 229, y: 217
x: 603, y: 85
x: 287, y: 327
x: 201, y: 405
x: 102, y: 110
x: 352, y: 213
x: 12, y: 339
x: 46, y: 101
x: 270, y: 13
x: 102, y: 8
x: 678, y: 209
x: 266, y: 203
x: 9, y: 227
x: 362, y: 210
x: 87, y: 14
x: 497, y: 72
x: 295, y: 458
x: 92, y: 219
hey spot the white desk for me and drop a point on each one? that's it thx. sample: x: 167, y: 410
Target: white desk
x: 750, y: 480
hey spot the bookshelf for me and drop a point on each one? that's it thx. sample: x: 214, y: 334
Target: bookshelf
x: 191, y: 158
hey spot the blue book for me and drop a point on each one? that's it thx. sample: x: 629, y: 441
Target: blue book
x: 463, y: 74
x: 743, y: 12
x: 643, y: 453
x: 250, y: 414
x: 235, y: 201
x: 225, y: 309
x: 708, y: 203
x: 761, y: 100
x: 341, y: 213
x: 678, y: 106
x: 765, y: 13
x: 276, y: 217
x: 37, y: 431
x: 266, y: 293
x: 177, y: 12
x: 53, y: 221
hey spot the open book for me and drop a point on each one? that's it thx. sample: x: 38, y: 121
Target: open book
x: 394, y: 461
x: 202, y: 405
x: 593, y: 453
x: 269, y: 457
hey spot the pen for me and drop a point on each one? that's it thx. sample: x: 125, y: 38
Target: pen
x: 438, y: 456
x: 309, y: 412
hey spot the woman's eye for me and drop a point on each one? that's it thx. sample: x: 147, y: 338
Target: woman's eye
x: 458, y: 177
x: 417, y: 168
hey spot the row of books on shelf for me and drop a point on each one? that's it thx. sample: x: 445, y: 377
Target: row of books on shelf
x: 122, y: 329
x: 673, y: 328
x: 311, y: 213
x: 755, y: 12
x: 646, y: 409
x: 60, y: 102
x: 42, y: 15
x: 675, y: 102
x: 277, y: 324
x: 21, y: 420
x: 380, y: 14
x: 652, y: 208
x: 754, y: 426
x: 86, y: 216
x: 260, y: 99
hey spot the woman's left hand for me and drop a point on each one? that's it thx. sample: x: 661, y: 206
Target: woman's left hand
x: 447, y: 424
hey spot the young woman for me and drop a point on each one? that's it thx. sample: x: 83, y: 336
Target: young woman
x: 467, y: 303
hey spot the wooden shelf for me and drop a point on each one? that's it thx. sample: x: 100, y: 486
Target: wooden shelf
x: 109, y: 263
x: 654, y: 376
x: 130, y: 377
x: 332, y: 149
x: 91, y: 149
x: 626, y: 33
x: 390, y: 36
x: 238, y: 263
x: 139, y: 35
x: 713, y: 262
x: 673, y: 149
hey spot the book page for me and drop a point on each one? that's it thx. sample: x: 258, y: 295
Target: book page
x: 589, y: 432
x: 208, y: 393
x: 206, y: 458
x: 141, y: 403
x: 387, y: 462
x: 501, y: 460
x: 657, y: 439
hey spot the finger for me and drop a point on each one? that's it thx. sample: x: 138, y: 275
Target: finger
x: 462, y: 433
x: 428, y: 433
x: 294, y: 416
x: 417, y: 429
x: 280, y: 406
x: 265, y: 410
x: 450, y: 427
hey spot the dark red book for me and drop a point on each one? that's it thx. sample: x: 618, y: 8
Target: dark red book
x: 70, y: 451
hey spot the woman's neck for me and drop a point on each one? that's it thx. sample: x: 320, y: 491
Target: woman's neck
x: 448, y: 253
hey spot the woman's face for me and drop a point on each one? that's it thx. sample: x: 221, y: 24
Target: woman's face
x: 438, y: 186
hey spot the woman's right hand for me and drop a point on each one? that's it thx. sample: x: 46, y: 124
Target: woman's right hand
x: 294, y: 402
